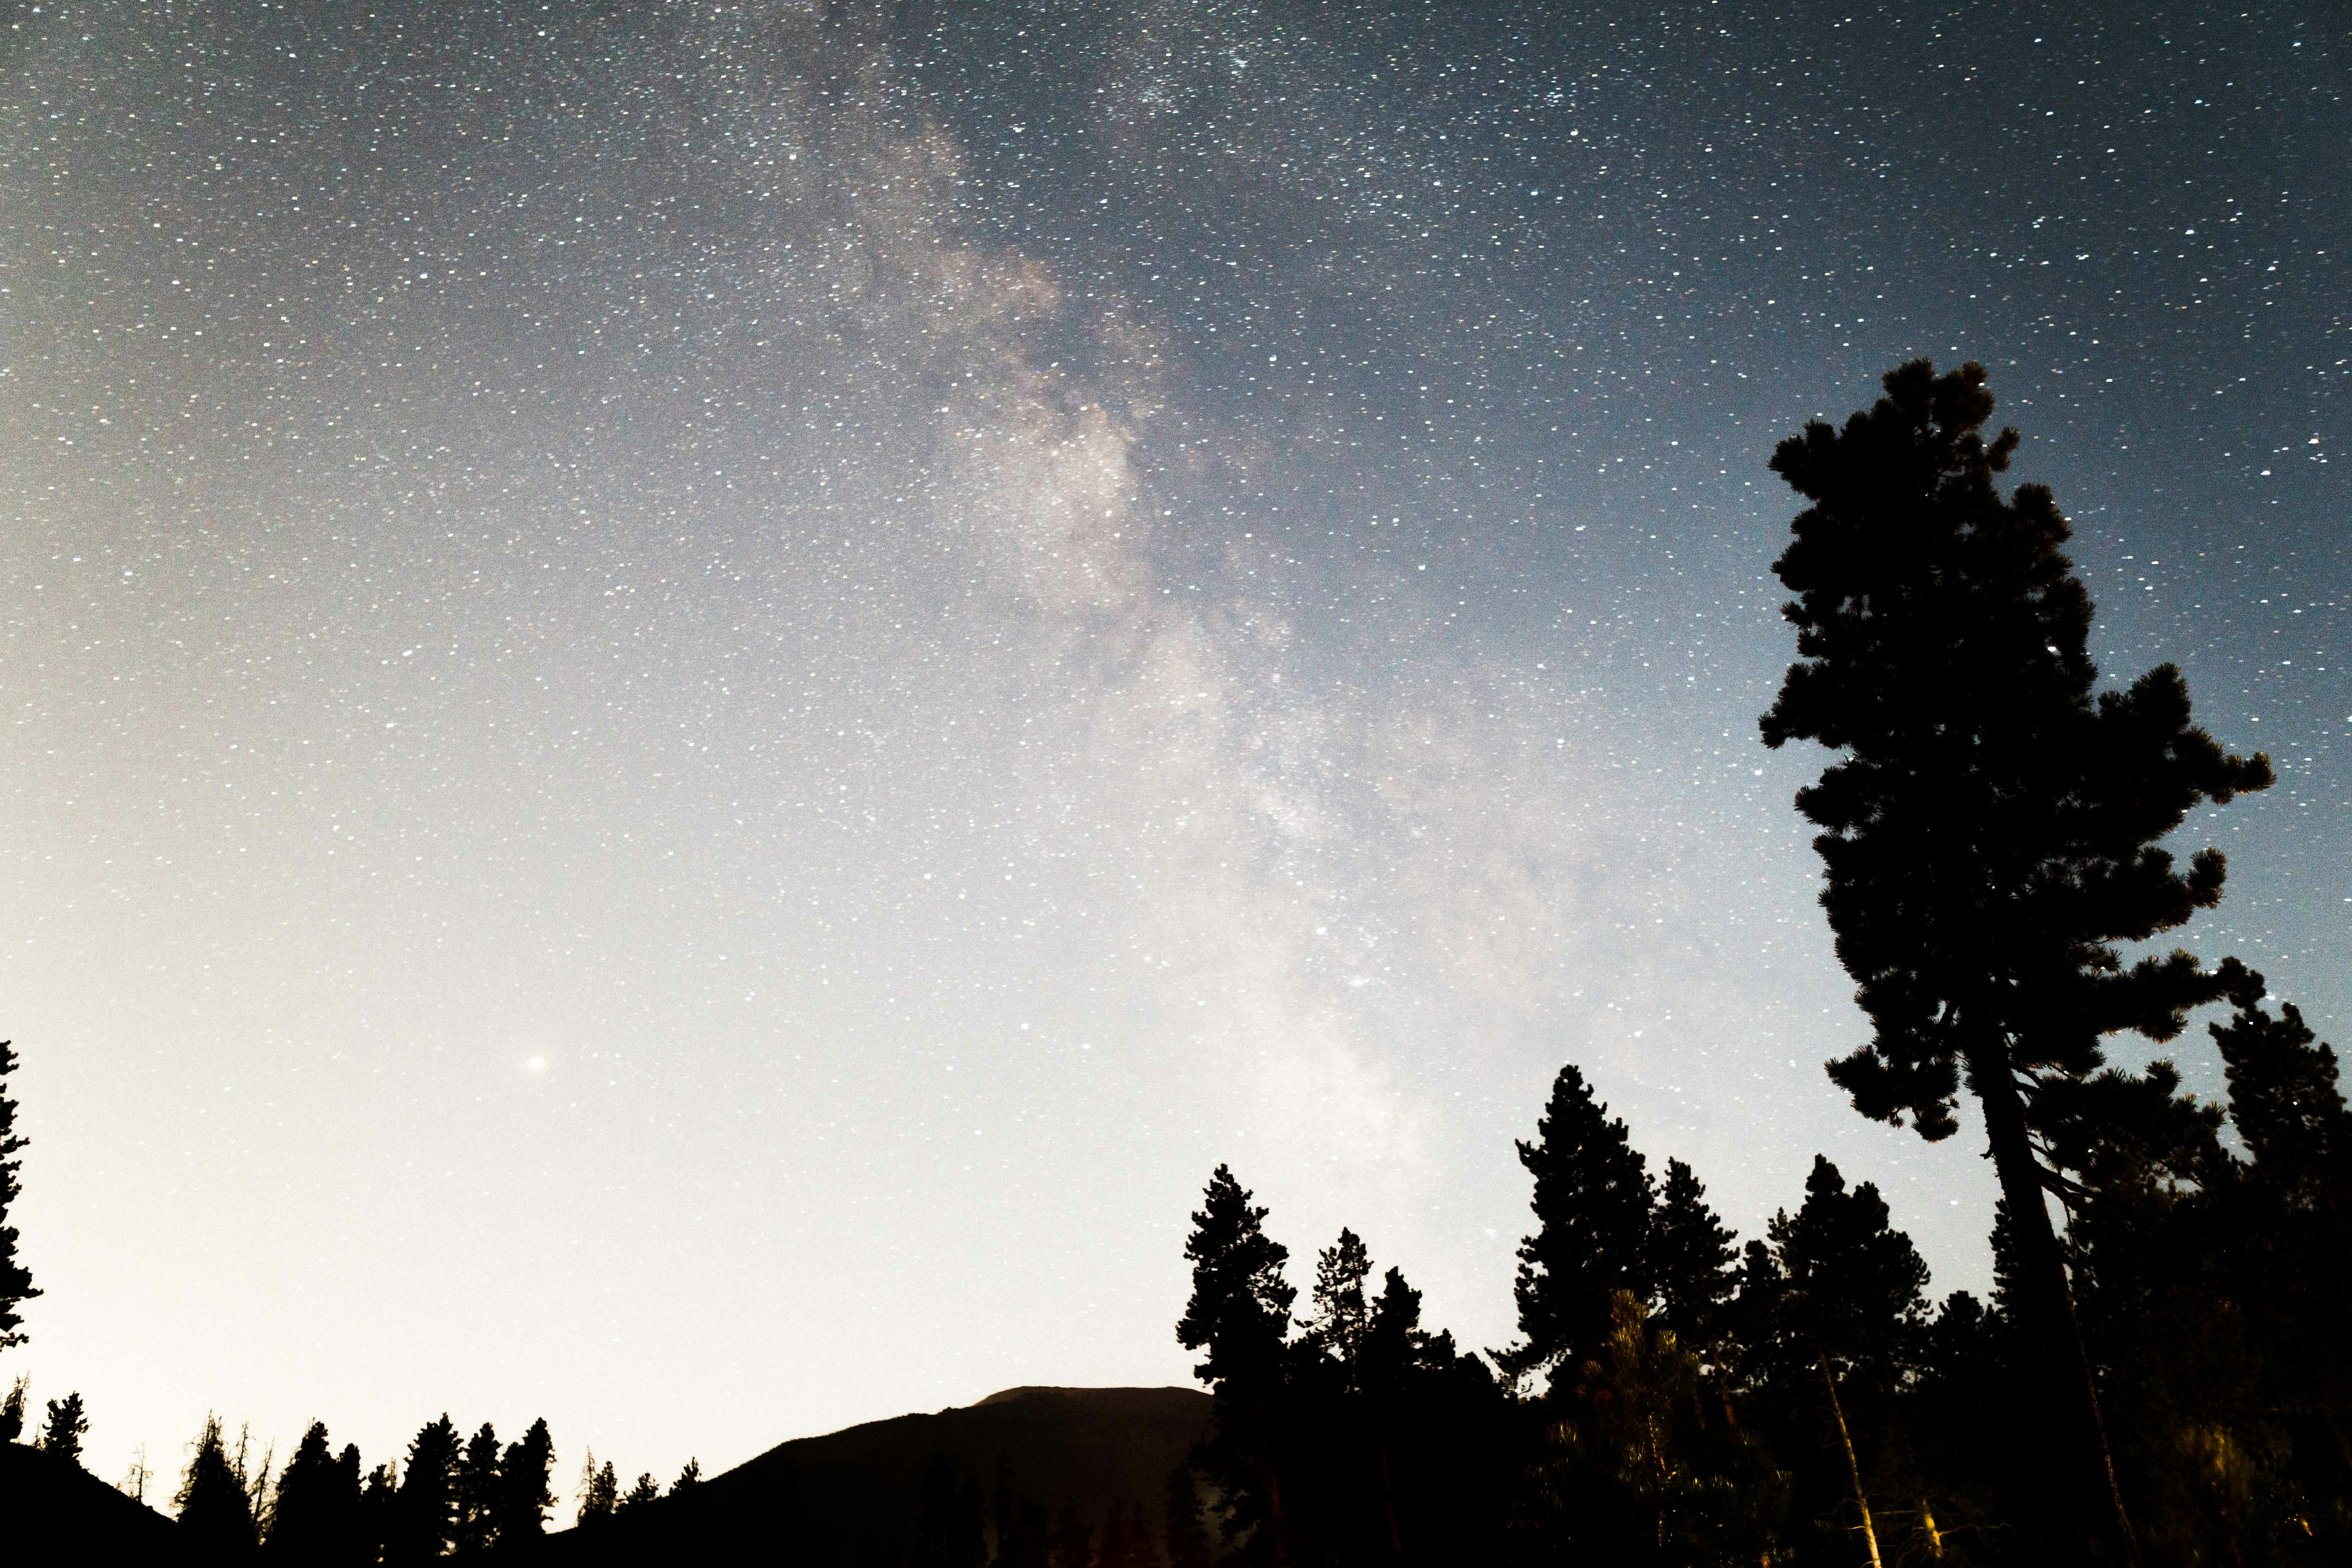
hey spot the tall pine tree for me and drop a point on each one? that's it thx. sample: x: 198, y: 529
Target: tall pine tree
x: 1592, y: 1204
x: 523, y: 1498
x: 425, y: 1510
x: 1239, y: 1314
x: 314, y: 1517
x: 1991, y: 832
x: 217, y: 1520
x: 475, y: 1488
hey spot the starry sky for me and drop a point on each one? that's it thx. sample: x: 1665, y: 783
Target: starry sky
x: 699, y: 698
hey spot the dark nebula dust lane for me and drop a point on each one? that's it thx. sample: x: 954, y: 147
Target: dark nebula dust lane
x: 715, y: 691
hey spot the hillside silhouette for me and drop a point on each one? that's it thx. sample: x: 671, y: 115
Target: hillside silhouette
x: 858, y: 1494
x: 57, y: 1512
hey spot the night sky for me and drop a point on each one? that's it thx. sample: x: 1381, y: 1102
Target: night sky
x: 699, y: 699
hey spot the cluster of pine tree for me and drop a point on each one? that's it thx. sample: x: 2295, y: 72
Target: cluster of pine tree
x: 1679, y: 1399
x: 469, y: 1497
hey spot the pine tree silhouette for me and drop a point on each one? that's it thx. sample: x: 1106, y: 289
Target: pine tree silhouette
x: 62, y: 1434
x: 12, y: 1410
x: 379, y: 1511
x: 1592, y: 1201
x: 1239, y: 1313
x: 425, y: 1510
x: 1854, y: 1299
x: 523, y: 1498
x: 314, y: 1517
x: 1341, y: 1315
x: 15, y: 1279
x: 1991, y: 833
x: 600, y: 1494
x: 1689, y: 1261
x: 475, y: 1487
x: 216, y: 1515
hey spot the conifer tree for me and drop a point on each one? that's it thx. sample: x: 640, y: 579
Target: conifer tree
x: 1853, y: 1296
x: 687, y: 1478
x: 1239, y: 1313
x: 15, y: 1279
x: 599, y: 1493
x: 2286, y: 1219
x: 216, y: 1515
x: 523, y: 1498
x: 62, y: 1434
x: 1991, y: 832
x: 475, y: 1487
x: 379, y: 1511
x: 425, y: 1510
x: 1592, y: 1204
x: 1689, y: 1261
x: 1335, y: 1325
x: 355, y: 1542
x: 642, y: 1491
x: 12, y: 1409
x: 2286, y: 1103
x: 312, y: 1520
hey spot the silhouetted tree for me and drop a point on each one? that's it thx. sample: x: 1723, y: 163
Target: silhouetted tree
x: 687, y: 1478
x: 1239, y: 1313
x: 216, y: 1522
x: 62, y: 1434
x: 1186, y: 1538
x: 1854, y: 1303
x: 379, y: 1511
x: 523, y: 1498
x: 1992, y: 833
x: 1339, y: 1315
x: 424, y: 1511
x: 1688, y: 1261
x: 2282, y: 1225
x: 599, y: 1492
x: 475, y: 1487
x: 12, y: 1409
x: 1592, y: 1201
x: 15, y: 1279
x: 315, y: 1517
x: 642, y: 1491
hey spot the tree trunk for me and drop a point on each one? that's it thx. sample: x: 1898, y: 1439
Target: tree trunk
x: 1853, y: 1465
x: 2050, y: 1298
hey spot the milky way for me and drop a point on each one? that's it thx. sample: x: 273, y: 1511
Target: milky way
x: 701, y: 697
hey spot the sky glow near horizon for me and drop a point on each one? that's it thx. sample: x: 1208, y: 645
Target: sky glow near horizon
x: 702, y: 697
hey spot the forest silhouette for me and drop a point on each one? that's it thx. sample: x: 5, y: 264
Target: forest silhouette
x: 2159, y: 1375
